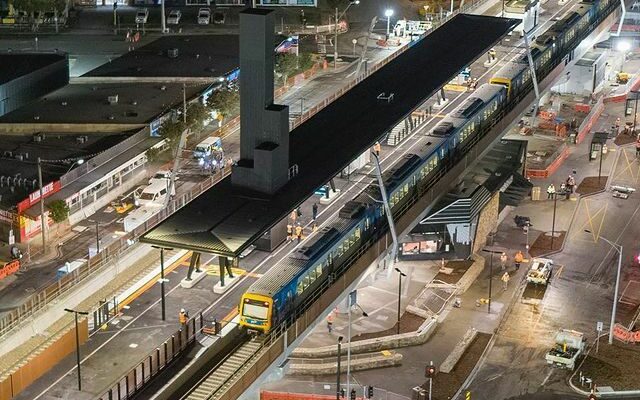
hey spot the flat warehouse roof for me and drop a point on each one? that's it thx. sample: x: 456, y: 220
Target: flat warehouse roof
x: 225, y: 220
x: 15, y: 65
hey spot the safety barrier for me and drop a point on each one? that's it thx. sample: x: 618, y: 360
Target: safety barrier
x: 155, y: 362
x: 551, y: 169
x: 36, y: 364
x: 587, y: 124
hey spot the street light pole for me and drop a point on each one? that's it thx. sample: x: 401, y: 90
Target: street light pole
x: 42, y: 221
x: 97, y: 239
x: 164, y: 21
x: 75, y: 314
x: 553, y: 221
x: 600, y: 165
x: 635, y: 112
x: 335, y: 42
x: 388, y: 13
x: 400, y: 275
x: 338, y: 369
x: 618, y: 248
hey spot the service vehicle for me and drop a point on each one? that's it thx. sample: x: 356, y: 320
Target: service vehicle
x: 568, y: 346
x: 540, y: 271
x: 204, y: 16
x: 142, y: 16
x: 155, y: 194
x: 70, y: 266
x: 9, y: 260
x: 174, y: 17
x: 207, y: 147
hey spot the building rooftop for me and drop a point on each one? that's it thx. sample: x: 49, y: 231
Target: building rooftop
x: 225, y: 220
x: 198, y: 56
x: 87, y: 103
x: 19, y: 154
x: 14, y: 65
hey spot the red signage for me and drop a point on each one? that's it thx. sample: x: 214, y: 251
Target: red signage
x: 9, y: 268
x: 33, y: 198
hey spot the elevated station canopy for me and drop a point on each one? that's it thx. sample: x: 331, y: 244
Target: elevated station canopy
x: 226, y: 220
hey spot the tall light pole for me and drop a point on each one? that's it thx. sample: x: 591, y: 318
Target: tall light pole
x: 75, y: 314
x: 618, y: 248
x: 162, y: 280
x: 400, y: 275
x: 338, y: 368
x: 335, y: 38
x: 388, y: 13
x: 364, y: 314
x: 162, y: 17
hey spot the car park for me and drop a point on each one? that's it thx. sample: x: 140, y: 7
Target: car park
x: 204, y: 16
x: 142, y: 16
x: 174, y: 17
x: 540, y: 271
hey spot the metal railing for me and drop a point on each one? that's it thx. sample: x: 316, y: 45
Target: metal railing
x: 156, y: 361
x: 107, y: 257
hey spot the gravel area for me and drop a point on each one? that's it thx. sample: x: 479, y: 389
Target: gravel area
x: 607, y: 368
x: 591, y: 184
x: 458, y: 267
x: 542, y: 245
x: 446, y: 385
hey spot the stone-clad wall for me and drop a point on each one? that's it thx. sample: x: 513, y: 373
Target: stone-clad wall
x: 487, y: 222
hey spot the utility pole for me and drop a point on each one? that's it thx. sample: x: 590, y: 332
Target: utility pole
x: 162, y: 17
x: 335, y: 43
x: 42, y: 221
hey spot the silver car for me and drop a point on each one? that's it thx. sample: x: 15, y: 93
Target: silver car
x: 204, y: 15
x: 174, y: 17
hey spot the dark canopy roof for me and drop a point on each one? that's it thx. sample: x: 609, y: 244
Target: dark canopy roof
x: 224, y: 220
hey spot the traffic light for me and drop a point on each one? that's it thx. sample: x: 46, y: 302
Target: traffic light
x: 430, y: 371
x: 370, y: 392
x: 352, y: 395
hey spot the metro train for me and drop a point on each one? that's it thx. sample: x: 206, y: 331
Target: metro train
x: 282, y: 291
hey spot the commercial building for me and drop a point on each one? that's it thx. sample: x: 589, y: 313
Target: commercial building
x: 26, y: 76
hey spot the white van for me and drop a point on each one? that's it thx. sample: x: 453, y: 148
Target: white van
x: 207, y: 147
x: 155, y: 194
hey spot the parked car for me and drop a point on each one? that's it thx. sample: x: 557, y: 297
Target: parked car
x: 142, y: 16
x: 174, y: 17
x: 540, y: 271
x: 218, y: 18
x: 204, y: 15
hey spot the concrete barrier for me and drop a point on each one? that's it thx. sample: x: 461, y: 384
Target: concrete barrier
x: 330, y: 368
x: 452, y: 359
x: 370, y: 345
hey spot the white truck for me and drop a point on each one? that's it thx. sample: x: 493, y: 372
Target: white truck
x: 568, y: 346
x: 138, y: 216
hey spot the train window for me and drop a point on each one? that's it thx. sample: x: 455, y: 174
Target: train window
x: 357, y: 233
x: 299, y: 288
x: 367, y: 223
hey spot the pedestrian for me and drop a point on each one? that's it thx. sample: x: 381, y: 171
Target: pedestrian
x: 505, y: 281
x: 518, y: 259
x: 638, y: 147
x: 293, y: 216
x: 299, y: 232
x: 314, y: 211
x: 330, y: 318
x: 551, y: 190
x: 503, y: 260
x: 183, y: 316
x: 377, y: 148
x: 289, y: 232
x: 314, y: 227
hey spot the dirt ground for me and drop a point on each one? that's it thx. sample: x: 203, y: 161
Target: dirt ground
x: 623, y: 139
x: 408, y: 323
x: 607, y: 368
x: 542, y: 245
x: 446, y: 385
x: 590, y: 184
x: 459, y: 268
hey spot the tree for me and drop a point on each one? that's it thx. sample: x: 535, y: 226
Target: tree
x: 305, y: 61
x: 58, y: 210
x: 196, y: 114
x: 286, y: 65
x: 225, y: 101
x: 172, y: 130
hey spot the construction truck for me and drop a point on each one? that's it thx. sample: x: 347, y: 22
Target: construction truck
x: 568, y: 346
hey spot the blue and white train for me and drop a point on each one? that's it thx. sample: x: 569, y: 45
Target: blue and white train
x: 279, y: 293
